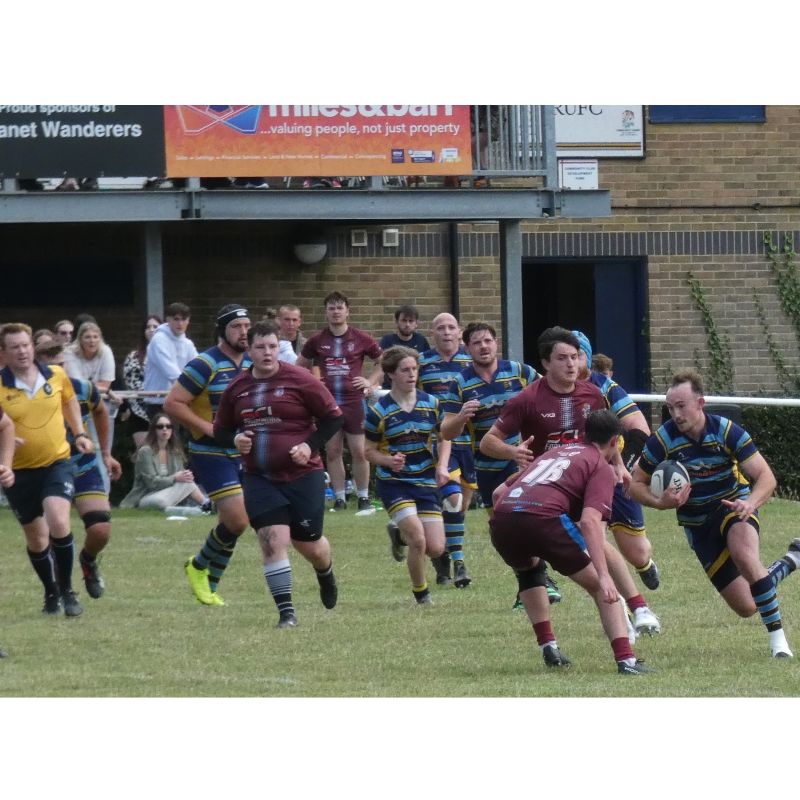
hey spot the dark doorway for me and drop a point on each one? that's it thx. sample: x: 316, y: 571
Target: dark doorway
x: 606, y: 299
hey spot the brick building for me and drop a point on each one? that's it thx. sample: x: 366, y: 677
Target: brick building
x: 701, y: 199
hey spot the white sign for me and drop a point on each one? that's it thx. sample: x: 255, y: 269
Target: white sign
x: 600, y: 131
x: 577, y: 173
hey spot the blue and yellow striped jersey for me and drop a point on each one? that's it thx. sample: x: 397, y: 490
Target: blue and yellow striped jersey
x: 206, y: 377
x: 436, y: 377
x: 411, y: 433
x: 617, y: 399
x: 88, y: 399
x: 510, y: 378
x: 712, y: 463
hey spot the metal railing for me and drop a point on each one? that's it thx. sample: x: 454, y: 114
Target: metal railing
x: 514, y: 140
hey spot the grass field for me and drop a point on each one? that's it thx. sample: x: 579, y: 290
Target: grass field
x: 147, y: 637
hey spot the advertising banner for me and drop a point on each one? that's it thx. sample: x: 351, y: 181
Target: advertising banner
x: 38, y: 141
x: 307, y: 140
x: 599, y: 131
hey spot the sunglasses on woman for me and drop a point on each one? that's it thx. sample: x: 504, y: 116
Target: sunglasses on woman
x: 164, y: 427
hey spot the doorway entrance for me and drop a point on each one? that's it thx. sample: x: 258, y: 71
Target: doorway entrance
x: 606, y: 299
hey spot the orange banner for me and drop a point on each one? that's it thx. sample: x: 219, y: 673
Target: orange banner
x: 246, y: 141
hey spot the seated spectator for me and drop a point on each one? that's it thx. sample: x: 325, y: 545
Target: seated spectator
x: 161, y: 479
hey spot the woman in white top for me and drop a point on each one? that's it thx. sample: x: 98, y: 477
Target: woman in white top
x: 91, y: 359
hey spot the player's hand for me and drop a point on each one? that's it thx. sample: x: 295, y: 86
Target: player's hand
x: 671, y: 500
x: 113, y: 466
x: 300, y: 453
x: 742, y: 506
x: 608, y: 589
x: 522, y: 453
x: 398, y: 462
x: 360, y: 382
x: 442, y: 475
x: 18, y: 441
x: 6, y: 477
x: 83, y: 444
x: 243, y: 442
x: 622, y: 475
x: 469, y: 409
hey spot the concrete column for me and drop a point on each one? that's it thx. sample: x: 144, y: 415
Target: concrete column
x: 511, y: 288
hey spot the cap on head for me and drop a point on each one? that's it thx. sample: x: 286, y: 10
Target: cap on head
x: 586, y: 346
x: 229, y: 313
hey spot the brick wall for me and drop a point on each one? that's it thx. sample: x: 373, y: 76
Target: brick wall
x: 701, y: 199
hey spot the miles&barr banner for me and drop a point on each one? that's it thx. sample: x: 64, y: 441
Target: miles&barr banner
x: 308, y: 140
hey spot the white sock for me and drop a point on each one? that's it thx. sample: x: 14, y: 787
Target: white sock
x: 777, y: 641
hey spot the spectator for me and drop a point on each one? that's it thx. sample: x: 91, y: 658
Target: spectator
x: 89, y: 358
x: 133, y: 376
x: 168, y: 352
x: 64, y: 331
x: 290, y: 319
x: 43, y: 334
x: 406, y: 320
x: 161, y: 479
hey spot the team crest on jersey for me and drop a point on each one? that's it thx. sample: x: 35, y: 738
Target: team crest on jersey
x: 587, y: 409
x: 280, y: 391
x: 48, y: 389
x: 350, y: 347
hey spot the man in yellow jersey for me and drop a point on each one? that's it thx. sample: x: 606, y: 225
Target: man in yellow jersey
x: 6, y: 457
x: 39, y: 400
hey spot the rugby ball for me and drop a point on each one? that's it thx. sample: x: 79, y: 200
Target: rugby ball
x: 669, y: 476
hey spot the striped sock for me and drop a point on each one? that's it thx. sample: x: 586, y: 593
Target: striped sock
x: 780, y: 569
x: 454, y: 534
x: 64, y: 557
x: 278, y: 575
x: 44, y: 566
x: 766, y: 599
x: 215, y: 554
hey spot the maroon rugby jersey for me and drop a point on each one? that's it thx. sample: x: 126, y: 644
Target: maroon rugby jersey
x: 552, y: 418
x: 564, y: 480
x: 280, y: 411
x: 341, y: 358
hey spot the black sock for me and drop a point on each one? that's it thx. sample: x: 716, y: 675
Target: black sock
x: 45, y: 569
x: 64, y: 556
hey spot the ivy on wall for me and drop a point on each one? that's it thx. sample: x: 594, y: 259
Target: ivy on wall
x: 719, y: 372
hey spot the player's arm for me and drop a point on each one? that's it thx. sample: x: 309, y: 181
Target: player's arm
x: 391, y: 461
x: 454, y: 422
x: 177, y: 405
x: 7, y: 445
x: 762, y: 485
x: 593, y: 529
x: 326, y: 427
x: 639, y: 490
x: 72, y: 416
x: 443, y: 449
x: 494, y: 445
x: 304, y: 362
x: 102, y: 424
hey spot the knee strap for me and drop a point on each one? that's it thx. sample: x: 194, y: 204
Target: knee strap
x: 95, y: 518
x: 530, y: 578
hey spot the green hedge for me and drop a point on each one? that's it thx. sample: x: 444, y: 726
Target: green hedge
x: 776, y: 432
